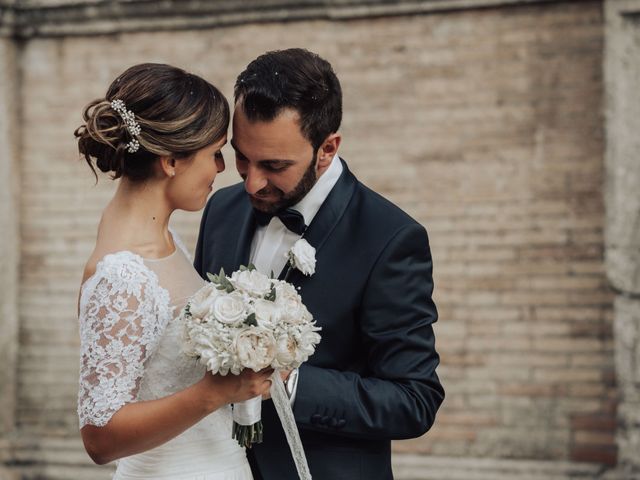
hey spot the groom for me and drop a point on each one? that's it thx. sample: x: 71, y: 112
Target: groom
x: 373, y: 376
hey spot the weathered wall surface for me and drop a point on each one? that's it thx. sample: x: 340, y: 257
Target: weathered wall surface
x: 623, y: 215
x: 9, y: 253
x: 486, y: 125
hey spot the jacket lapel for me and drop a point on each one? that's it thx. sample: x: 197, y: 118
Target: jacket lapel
x: 247, y: 228
x: 330, y: 212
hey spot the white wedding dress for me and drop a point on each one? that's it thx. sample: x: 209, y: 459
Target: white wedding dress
x: 131, y: 351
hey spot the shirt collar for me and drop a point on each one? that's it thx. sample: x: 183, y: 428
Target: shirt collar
x: 313, y: 200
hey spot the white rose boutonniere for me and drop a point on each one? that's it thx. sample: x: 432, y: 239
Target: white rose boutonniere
x: 302, y: 256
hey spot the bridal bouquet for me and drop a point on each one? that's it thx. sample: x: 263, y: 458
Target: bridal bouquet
x: 248, y: 320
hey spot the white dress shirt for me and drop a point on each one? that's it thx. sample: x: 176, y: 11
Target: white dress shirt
x: 271, y: 243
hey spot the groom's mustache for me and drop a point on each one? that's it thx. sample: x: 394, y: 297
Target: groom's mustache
x: 267, y: 192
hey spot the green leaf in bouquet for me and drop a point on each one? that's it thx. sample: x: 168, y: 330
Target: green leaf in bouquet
x: 251, y: 267
x: 228, y: 286
x: 212, y: 278
x: 225, y: 284
x: 251, y: 320
x: 216, y: 278
x: 221, y: 281
x: 271, y: 296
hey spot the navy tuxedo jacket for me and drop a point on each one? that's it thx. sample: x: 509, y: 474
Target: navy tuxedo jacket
x: 373, y: 376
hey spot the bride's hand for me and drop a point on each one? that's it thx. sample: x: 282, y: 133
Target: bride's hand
x: 284, y: 375
x: 237, y: 388
x: 139, y: 426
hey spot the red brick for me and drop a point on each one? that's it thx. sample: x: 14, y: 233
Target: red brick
x: 605, y: 454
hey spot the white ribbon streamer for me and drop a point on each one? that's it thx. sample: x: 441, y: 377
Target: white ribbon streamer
x: 283, y: 407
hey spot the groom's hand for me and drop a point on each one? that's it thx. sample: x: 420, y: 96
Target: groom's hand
x: 284, y: 374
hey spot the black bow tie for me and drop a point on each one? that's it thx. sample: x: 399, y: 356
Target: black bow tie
x: 292, y: 219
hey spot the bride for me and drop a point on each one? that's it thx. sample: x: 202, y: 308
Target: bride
x: 141, y: 400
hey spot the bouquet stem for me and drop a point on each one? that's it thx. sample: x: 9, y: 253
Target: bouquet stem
x: 247, y: 425
x: 248, y: 434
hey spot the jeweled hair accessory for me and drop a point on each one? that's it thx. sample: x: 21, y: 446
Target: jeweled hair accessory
x: 133, y: 127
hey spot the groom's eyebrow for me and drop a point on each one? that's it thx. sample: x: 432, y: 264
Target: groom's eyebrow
x: 265, y: 160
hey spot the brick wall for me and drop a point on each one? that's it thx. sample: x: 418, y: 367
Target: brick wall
x: 485, y: 125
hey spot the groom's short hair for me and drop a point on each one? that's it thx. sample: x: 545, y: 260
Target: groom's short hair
x: 296, y: 79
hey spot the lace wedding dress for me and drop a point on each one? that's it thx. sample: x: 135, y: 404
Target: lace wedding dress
x: 131, y: 351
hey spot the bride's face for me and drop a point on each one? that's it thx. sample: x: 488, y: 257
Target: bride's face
x: 192, y: 183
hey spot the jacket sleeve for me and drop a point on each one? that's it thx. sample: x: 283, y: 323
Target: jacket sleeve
x: 399, y: 393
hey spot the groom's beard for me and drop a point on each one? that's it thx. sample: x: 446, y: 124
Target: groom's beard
x: 286, y: 200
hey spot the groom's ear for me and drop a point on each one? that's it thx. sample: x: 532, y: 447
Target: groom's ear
x: 168, y: 166
x: 327, y: 151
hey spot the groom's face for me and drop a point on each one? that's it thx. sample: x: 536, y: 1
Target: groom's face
x: 276, y: 162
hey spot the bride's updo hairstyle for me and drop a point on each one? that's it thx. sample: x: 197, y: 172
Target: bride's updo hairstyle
x: 178, y: 113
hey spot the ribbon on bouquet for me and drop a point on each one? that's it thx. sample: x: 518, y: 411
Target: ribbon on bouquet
x: 283, y: 407
x: 248, y: 413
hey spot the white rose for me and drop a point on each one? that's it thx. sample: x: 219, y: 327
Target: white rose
x: 293, y: 311
x: 218, y: 363
x: 202, y: 301
x: 303, y: 257
x: 307, y: 342
x: 285, y: 291
x: 251, y: 281
x: 211, y: 361
x: 290, y: 304
x: 286, y: 351
x: 230, y: 309
x: 267, y: 313
x: 256, y: 348
x: 195, y: 336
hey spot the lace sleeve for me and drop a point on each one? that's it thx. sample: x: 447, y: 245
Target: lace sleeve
x: 123, y: 312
